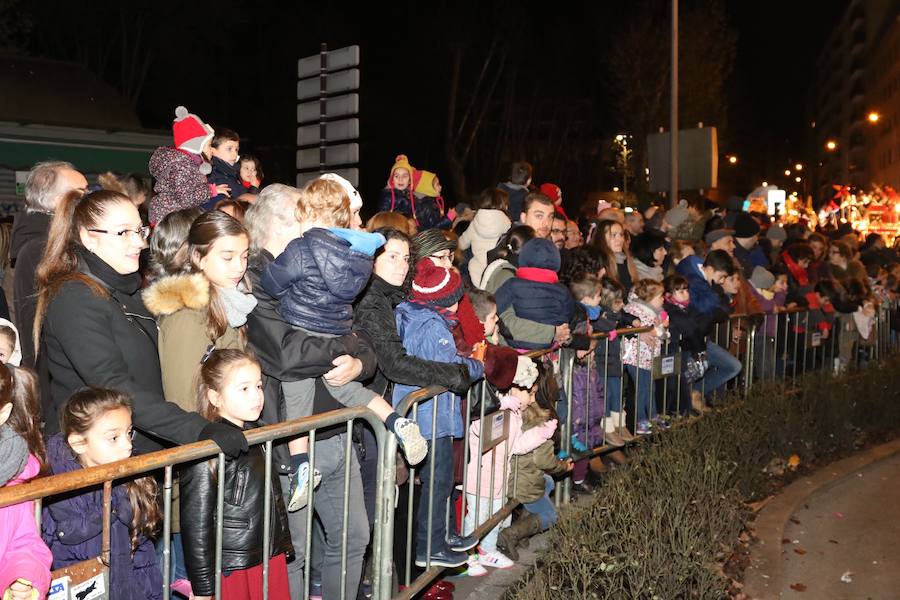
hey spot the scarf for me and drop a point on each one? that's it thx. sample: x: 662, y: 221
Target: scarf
x: 767, y: 294
x: 237, y: 305
x: 647, y: 272
x: 671, y: 300
x: 537, y: 274
x: 13, y: 454
x: 593, y: 312
x: 96, y: 266
x: 796, y: 270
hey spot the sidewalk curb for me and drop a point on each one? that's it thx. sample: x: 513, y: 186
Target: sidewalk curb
x: 764, y: 579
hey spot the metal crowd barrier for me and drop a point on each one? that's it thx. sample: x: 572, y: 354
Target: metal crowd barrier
x: 165, y: 460
x: 773, y: 347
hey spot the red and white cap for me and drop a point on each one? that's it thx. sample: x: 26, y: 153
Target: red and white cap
x: 436, y: 285
x: 189, y: 132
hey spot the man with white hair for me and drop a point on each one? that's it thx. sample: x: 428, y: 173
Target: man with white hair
x: 286, y: 355
x: 47, y: 184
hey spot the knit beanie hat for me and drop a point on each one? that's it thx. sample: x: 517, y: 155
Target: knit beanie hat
x: 401, y: 162
x: 762, y: 279
x: 776, y: 233
x: 552, y: 191
x: 678, y: 215
x: 540, y: 253
x: 355, y: 199
x: 436, y: 285
x: 189, y: 132
x: 431, y: 241
x: 423, y: 183
x: 745, y: 226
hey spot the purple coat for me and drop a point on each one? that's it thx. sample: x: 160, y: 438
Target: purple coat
x: 588, y: 405
x: 73, y: 529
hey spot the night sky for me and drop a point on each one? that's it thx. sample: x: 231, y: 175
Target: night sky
x: 235, y: 66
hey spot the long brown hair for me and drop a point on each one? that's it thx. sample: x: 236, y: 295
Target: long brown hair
x: 609, y: 257
x: 18, y: 385
x: 59, y: 263
x: 204, y: 232
x: 80, y: 412
x: 213, y: 375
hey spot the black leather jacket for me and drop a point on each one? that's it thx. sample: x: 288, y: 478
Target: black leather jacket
x: 242, y: 534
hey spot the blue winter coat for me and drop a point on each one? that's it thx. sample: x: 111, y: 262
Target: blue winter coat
x: 428, y: 213
x: 547, y: 303
x: 319, y: 275
x: 427, y: 334
x: 221, y: 173
x: 704, y: 297
x: 72, y: 527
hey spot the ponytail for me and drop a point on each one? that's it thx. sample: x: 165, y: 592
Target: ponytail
x: 59, y: 263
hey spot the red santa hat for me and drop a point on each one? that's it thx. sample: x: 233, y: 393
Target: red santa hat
x: 436, y: 285
x: 190, y: 133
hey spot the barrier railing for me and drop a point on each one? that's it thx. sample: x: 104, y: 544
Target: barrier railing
x: 167, y: 460
x: 771, y: 347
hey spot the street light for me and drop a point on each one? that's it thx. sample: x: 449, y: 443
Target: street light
x: 798, y: 167
x: 831, y: 145
x: 765, y: 184
x: 733, y: 159
x: 797, y: 179
x: 873, y: 117
x: 787, y: 172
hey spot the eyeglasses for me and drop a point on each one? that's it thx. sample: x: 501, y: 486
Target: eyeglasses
x: 141, y: 232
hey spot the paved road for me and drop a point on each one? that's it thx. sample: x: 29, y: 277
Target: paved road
x: 850, y: 529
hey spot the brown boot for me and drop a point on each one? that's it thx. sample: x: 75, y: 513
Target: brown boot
x: 625, y: 434
x: 618, y: 457
x: 697, y: 402
x: 597, y: 465
x: 525, y: 527
x: 612, y: 438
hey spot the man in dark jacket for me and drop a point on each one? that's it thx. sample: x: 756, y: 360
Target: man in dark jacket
x: 46, y: 185
x: 287, y: 354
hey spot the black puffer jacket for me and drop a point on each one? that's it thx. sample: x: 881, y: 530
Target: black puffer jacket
x: 242, y: 534
x: 288, y: 354
x: 375, y: 317
x: 110, y: 341
x: 29, y: 237
x: 317, y: 277
x: 688, y: 327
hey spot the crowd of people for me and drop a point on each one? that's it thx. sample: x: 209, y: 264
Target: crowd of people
x: 210, y: 304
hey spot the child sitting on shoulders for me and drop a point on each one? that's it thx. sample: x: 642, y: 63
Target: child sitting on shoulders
x: 317, y: 278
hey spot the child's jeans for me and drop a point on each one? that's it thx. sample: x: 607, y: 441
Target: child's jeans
x: 441, y: 453
x: 613, y: 395
x: 543, y: 507
x: 486, y: 508
x: 643, y: 385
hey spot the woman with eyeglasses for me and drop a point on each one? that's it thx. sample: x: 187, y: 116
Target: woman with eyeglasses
x: 92, y: 328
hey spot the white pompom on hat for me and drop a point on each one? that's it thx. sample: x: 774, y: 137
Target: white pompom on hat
x: 189, y: 132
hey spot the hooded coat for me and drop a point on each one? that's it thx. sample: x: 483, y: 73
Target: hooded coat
x: 179, y: 182
x: 482, y: 236
x: 427, y: 334
x: 428, y: 214
x: 526, y: 471
x: 317, y: 278
x: 181, y: 304
x: 73, y: 529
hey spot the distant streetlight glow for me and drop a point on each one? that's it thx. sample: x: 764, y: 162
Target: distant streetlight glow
x: 765, y: 184
x: 797, y: 179
x: 798, y: 167
x: 615, y: 189
x: 830, y: 145
x: 733, y: 159
x: 873, y: 117
x: 787, y: 172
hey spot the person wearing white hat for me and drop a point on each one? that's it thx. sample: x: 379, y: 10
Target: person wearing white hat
x: 352, y: 193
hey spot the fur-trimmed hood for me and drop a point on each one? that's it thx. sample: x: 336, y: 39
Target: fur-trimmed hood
x: 173, y: 293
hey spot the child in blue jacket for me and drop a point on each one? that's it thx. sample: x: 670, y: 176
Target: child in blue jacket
x: 317, y: 278
x: 425, y: 324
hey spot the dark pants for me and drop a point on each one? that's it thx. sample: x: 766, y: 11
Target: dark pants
x: 440, y: 451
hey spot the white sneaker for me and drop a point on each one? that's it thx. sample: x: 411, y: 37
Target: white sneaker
x: 475, y: 568
x: 495, y: 559
x: 299, y: 497
x: 411, y: 441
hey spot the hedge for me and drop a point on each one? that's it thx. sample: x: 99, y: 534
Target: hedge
x: 664, y: 527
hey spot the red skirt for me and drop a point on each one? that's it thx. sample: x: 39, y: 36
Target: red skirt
x: 246, y: 584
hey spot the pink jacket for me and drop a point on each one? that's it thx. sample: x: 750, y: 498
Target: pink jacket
x: 520, y: 442
x: 23, y: 553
